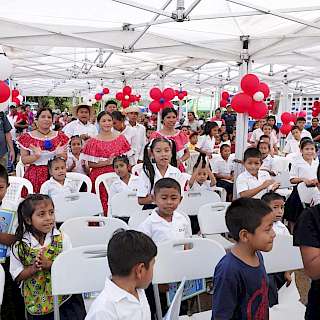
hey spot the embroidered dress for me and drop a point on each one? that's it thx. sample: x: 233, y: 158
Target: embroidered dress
x: 37, y: 173
x: 96, y: 150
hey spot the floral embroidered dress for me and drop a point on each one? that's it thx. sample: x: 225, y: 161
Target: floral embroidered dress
x: 37, y: 173
x: 181, y: 141
x: 96, y: 150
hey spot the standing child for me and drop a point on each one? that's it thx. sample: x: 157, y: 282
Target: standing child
x: 253, y: 182
x: 58, y: 184
x: 225, y: 139
x: 207, y: 141
x: 74, y: 164
x: 38, y: 244
x: 267, y: 160
x: 240, y: 282
x: 131, y: 257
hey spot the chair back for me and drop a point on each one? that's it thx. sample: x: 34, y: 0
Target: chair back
x: 193, y: 200
x: 136, y: 170
x: 174, y: 310
x: 281, y: 163
x: 79, y: 204
x: 16, y: 185
x: 306, y: 194
x: 107, y: 179
x: 85, y: 231
x: 137, y: 218
x: 20, y: 169
x: 78, y: 179
x: 124, y: 204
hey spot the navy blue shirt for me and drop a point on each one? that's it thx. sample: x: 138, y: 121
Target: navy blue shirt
x: 240, y: 292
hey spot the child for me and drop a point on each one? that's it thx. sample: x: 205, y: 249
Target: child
x: 225, y: 139
x: 253, y: 182
x: 292, y: 145
x: 74, y: 164
x: 202, y: 178
x: 37, y: 245
x: 217, y: 143
x: 22, y: 120
x: 267, y: 130
x: 185, y: 130
x: 300, y: 123
x: 126, y: 182
x: 267, y: 160
x: 58, y: 184
x: 223, y: 169
x: 240, y: 285
x: 131, y: 257
x: 193, y: 140
x: 207, y: 141
x: 159, y: 161
x: 149, y: 131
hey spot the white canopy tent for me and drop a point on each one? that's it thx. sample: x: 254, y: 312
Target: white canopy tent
x: 67, y: 48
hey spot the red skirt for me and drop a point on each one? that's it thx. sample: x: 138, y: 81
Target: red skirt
x: 37, y: 175
x: 94, y: 174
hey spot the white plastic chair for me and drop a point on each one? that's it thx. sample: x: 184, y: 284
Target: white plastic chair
x: 281, y: 163
x: 136, y: 170
x: 16, y: 185
x: 124, y: 205
x: 193, y: 200
x: 78, y: 270
x: 19, y: 169
x: 2, y: 282
x: 173, y: 264
x: 79, y: 204
x: 184, y: 178
x: 84, y: 231
x: 212, y: 222
x: 221, y: 192
x: 306, y: 194
x: 106, y: 179
x: 78, y: 179
x: 137, y: 218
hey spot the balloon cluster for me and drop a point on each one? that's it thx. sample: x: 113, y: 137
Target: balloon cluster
x: 224, y: 99
x: 98, y: 96
x: 161, y: 99
x: 4, y: 92
x: 316, y: 109
x: 251, y: 99
x: 16, y: 97
x: 288, y: 119
x: 126, y: 97
x: 181, y: 94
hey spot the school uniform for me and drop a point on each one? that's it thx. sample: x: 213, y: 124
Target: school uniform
x: 257, y: 133
x: 131, y: 136
x: 206, y: 143
x: 114, y: 303
x: 53, y: 188
x: 119, y: 186
x: 201, y: 187
x: 292, y: 146
x: 246, y: 181
x: 77, y: 127
x: 140, y: 133
x: 304, y: 134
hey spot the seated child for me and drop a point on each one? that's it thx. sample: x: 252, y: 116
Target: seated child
x: 193, y: 140
x: 225, y: 139
x: 293, y: 145
x: 202, y: 178
x: 131, y: 257
x: 58, y: 183
x: 240, y: 281
x: 253, y: 182
x: 74, y: 164
x: 267, y: 159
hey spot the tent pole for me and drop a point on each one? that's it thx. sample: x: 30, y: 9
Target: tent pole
x: 161, y: 82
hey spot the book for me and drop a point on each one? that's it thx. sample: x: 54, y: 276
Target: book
x: 6, y: 225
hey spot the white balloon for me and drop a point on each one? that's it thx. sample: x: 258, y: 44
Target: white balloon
x: 105, y: 98
x: 5, y: 67
x: 20, y: 97
x: 93, y: 101
x: 258, y: 96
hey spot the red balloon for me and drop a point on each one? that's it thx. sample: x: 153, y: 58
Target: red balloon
x: 125, y: 103
x: 127, y: 90
x: 98, y: 96
x: 16, y: 101
x: 223, y: 103
x: 155, y: 94
x: 167, y: 104
x: 154, y: 106
x: 168, y: 94
x: 285, y: 128
x: 264, y: 88
x: 106, y: 90
x: 316, y: 103
x: 315, y: 113
x: 293, y: 117
x: 185, y: 93
x: 15, y: 93
x: 181, y: 96
x: 241, y: 102
x: 286, y: 117
x: 119, y: 96
x: 225, y: 95
x: 4, y: 92
x: 250, y: 84
x: 132, y: 98
x: 258, y: 110
x: 176, y: 92
x: 302, y: 114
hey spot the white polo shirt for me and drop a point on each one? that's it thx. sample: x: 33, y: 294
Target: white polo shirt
x: 304, y: 133
x: 54, y: 188
x: 280, y: 229
x: 292, y: 146
x: 201, y: 187
x: 144, y: 184
x: 76, y: 127
x: 119, y: 186
x: 246, y: 181
x: 223, y: 167
x: 114, y: 303
x: 302, y: 169
x: 160, y: 230
x: 206, y: 143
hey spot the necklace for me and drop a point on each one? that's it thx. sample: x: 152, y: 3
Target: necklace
x: 47, y: 143
x: 45, y: 134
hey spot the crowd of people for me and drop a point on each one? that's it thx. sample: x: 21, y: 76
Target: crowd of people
x: 50, y: 145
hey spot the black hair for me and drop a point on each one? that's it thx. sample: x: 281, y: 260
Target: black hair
x: 223, y: 146
x: 4, y: 174
x: 218, y: 109
x: 267, y: 125
x: 245, y: 213
x: 315, y: 118
x: 128, y: 248
x: 264, y: 136
x: 122, y: 158
x: 202, y: 159
x: 272, y: 196
x: 262, y: 141
x: 23, y: 108
x: 305, y: 141
x: 111, y: 102
x: 208, y: 126
x: 318, y: 173
x: 301, y: 119
x: 192, y: 112
x: 222, y: 134
x: 294, y: 128
x: 53, y: 160
x: 167, y: 183
x: 117, y: 115
x: 166, y: 111
x: 147, y: 164
x: 275, y: 123
x: 103, y: 113
x: 83, y: 106
x: 43, y: 110
x: 252, y: 153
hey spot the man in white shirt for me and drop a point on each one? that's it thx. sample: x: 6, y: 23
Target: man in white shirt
x: 82, y: 126
x: 131, y: 257
x: 300, y: 123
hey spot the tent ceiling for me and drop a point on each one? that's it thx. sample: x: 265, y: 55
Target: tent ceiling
x: 66, y: 47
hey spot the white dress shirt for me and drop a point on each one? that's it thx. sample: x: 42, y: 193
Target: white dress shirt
x: 76, y: 127
x: 302, y: 169
x: 53, y: 188
x: 258, y: 133
x: 114, y: 303
x: 141, y: 139
x: 131, y: 136
x: 292, y: 146
x: 223, y: 167
x: 280, y: 229
x: 206, y: 143
x: 160, y: 230
x: 304, y: 133
x: 119, y: 186
x: 201, y: 187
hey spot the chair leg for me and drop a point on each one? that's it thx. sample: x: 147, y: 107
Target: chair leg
x: 158, y: 302
x: 56, y: 308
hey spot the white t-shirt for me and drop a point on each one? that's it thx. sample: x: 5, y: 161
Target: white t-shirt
x: 201, y: 187
x: 304, y: 133
x: 292, y: 146
x: 280, y: 229
x: 246, y: 181
x: 53, y: 188
x: 302, y: 169
x: 114, y: 303
x: 223, y: 167
x: 119, y: 186
x: 161, y: 230
x: 144, y: 184
x: 206, y: 143
x: 76, y: 127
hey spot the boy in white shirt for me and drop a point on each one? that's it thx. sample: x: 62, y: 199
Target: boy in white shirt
x: 131, y: 257
x: 293, y: 145
x: 300, y: 123
x: 253, y: 182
